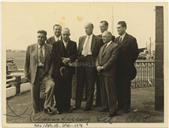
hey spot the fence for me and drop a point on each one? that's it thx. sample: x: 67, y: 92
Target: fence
x: 145, y: 74
x: 145, y: 77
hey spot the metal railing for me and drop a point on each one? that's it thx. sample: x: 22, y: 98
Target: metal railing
x: 145, y: 74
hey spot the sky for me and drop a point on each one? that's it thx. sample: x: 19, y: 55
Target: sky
x: 20, y: 21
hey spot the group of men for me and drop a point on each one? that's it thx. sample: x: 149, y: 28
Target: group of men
x: 103, y: 60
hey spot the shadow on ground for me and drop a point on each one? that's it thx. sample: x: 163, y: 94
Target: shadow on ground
x: 19, y: 111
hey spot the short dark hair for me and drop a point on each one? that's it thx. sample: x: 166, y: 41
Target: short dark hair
x: 92, y: 25
x: 43, y: 32
x: 105, y: 22
x: 122, y: 23
x: 57, y: 25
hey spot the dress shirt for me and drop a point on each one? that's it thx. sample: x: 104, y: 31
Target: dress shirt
x: 108, y: 43
x: 122, y: 37
x: 65, y: 43
x: 43, y: 52
x: 57, y: 38
x: 87, y: 45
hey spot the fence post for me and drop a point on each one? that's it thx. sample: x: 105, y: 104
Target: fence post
x: 159, y: 56
x: 18, y: 83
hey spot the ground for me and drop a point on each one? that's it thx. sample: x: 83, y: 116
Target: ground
x: 19, y: 111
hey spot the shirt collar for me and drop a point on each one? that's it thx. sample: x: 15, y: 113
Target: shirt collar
x: 109, y: 43
x: 122, y: 36
x: 39, y: 46
x: 65, y: 42
x: 57, y: 38
x: 90, y: 35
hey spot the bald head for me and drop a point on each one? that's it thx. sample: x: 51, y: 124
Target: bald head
x: 106, y: 36
x: 89, y: 28
x: 65, y: 34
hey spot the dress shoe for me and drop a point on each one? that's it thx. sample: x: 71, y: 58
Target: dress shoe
x: 113, y: 114
x: 126, y: 110
x: 48, y: 111
x: 103, y: 110
x: 75, y: 108
x: 55, y: 110
x: 87, y: 109
x: 69, y: 110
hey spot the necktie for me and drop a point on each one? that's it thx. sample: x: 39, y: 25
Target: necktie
x: 41, y: 57
x: 120, y: 39
x: 65, y: 44
x: 104, y: 50
x: 86, y: 47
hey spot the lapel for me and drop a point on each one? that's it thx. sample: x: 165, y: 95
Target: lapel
x: 93, y: 43
x: 63, y: 47
x: 103, y: 50
x: 82, y: 44
x: 53, y: 39
x: 68, y: 45
x: 35, y: 52
x: 46, y: 51
x: 107, y: 49
x: 124, y: 40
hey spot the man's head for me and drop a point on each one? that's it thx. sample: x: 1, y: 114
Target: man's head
x: 41, y: 36
x: 89, y: 28
x: 57, y: 29
x: 121, y: 27
x: 106, y: 36
x: 103, y: 26
x: 65, y: 34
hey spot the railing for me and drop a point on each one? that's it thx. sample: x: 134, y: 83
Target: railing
x: 15, y: 79
x: 145, y: 74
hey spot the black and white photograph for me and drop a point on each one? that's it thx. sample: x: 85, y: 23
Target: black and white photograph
x: 84, y: 65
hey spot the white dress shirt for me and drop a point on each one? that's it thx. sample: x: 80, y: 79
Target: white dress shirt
x: 57, y: 38
x: 108, y: 44
x: 122, y: 37
x: 43, y: 52
x: 87, y: 45
x: 65, y: 43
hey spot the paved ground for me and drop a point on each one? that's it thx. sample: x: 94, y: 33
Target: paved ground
x: 19, y: 111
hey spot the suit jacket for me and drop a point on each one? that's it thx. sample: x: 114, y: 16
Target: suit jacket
x: 107, y: 58
x: 95, y: 47
x: 59, y: 51
x: 51, y: 40
x: 113, y: 37
x: 128, y: 53
x: 31, y: 61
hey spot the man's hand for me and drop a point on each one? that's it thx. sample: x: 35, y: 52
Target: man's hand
x: 99, y: 68
x: 65, y: 60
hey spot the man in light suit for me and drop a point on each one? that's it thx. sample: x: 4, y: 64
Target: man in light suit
x: 126, y: 71
x: 106, y: 67
x: 37, y: 71
x: 57, y: 29
x: 88, y: 49
x: 103, y: 27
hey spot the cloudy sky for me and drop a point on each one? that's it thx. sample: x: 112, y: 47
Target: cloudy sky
x: 22, y: 20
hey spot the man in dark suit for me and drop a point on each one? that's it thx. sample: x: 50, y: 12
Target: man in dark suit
x: 64, y: 52
x: 128, y: 53
x: 103, y: 27
x: 88, y: 49
x: 106, y: 67
x: 38, y: 71
x: 57, y: 29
